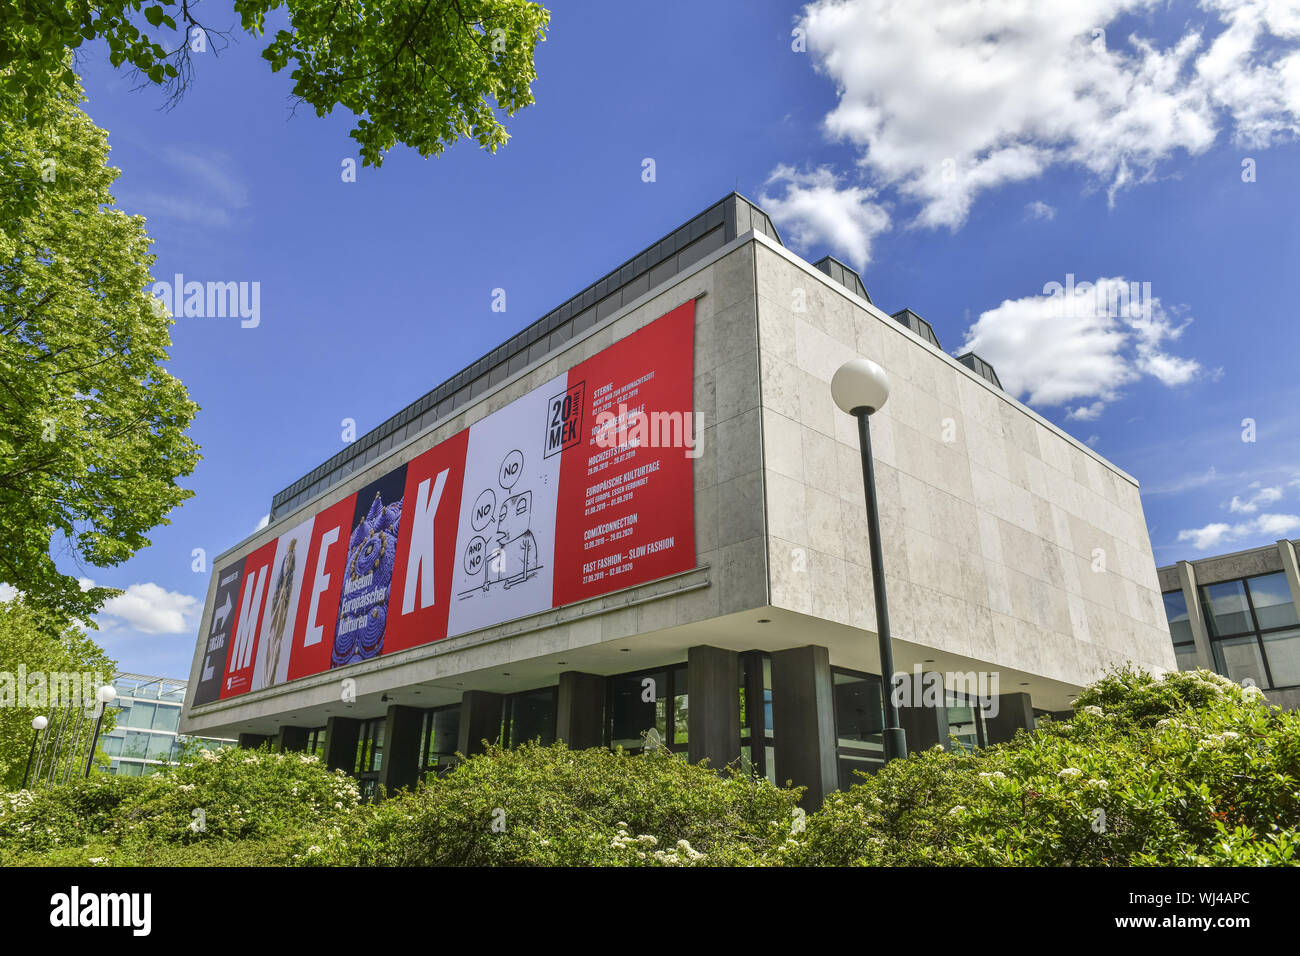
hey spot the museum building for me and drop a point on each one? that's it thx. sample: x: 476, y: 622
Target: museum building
x: 640, y: 522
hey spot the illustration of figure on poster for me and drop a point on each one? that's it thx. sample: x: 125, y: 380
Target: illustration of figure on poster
x: 513, y: 558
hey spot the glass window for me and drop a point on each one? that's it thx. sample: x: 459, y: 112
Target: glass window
x: 140, y: 716
x: 135, y: 744
x: 850, y: 765
x: 531, y: 716
x: 111, y: 745
x: 1283, y: 651
x: 1186, y: 657
x: 1240, y: 658
x: 1226, y: 608
x: 681, y: 708
x: 1271, y: 596
x: 166, y: 718
x: 160, y: 746
x: 439, y: 736
x: 1180, y: 625
x: 859, y: 710
x: 637, y: 706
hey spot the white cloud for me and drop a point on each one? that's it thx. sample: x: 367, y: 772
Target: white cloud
x: 1080, y: 343
x: 1213, y: 535
x: 262, y: 523
x: 1208, y: 537
x: 816, y: 211
x: 1264, y: 496
x: 1041, y: 210
x: 946, y: 99
x: 1277, y: 526
x: 7, y: 592
x: 151, y: 609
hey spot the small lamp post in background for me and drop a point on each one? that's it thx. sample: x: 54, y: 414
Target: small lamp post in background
x: 38, y: 724
x: 860, y: 387
x: 106, y: 694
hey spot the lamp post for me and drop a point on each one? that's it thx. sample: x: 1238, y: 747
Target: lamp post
x: 106, y: 694
x: 38, y: 724
x: 861, y: 387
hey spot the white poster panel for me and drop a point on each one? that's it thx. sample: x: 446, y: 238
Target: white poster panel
x: 287, y: 573
x: 505, y: 543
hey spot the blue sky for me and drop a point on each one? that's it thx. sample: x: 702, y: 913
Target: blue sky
x: 962, y: 164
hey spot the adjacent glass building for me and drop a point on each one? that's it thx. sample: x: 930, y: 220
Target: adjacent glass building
x: 147, y: 734
x: 1236, y: 614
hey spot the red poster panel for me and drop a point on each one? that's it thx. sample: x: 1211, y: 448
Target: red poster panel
x: 626, y: 511
x: 248, y: 620
x: 421, y: 590
x: 318, y: 604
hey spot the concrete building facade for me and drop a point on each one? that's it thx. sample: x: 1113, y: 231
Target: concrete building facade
x: 1017, y: 559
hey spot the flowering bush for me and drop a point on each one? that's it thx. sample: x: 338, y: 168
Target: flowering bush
x: 194, y: 812
x: 536, y: 805
x: 1187, y: 769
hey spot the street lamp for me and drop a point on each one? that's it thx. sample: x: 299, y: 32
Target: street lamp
x: 861, y: 387
x: 106, y: 694
x: 38, y: 724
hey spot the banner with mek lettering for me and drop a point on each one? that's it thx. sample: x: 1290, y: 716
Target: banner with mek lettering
x: 581, y: 487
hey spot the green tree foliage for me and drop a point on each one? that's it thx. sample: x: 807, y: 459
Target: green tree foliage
x: 1186, y: 770
x: 421, y: 72
x: 28, y: 638
x: 91, y: 425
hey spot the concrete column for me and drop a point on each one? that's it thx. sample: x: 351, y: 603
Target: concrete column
x: 926, y: 724
x: 341, y: 736
x: 803, y: 721
x: 1015, y: 712
x: 1196, y: 614
x: 580, y: 710
x: 713, y: 722
x: 401, y: 767
x: 293, y: 739
x: 480, y: 719
x: 252, y: 741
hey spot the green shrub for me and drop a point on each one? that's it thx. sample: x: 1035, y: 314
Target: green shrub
x: 208, y: 807
x: 1187, y: 769
x: 552, y: 806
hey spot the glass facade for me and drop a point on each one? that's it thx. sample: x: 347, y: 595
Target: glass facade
x: 439, y: 734
x: 1254, y: 630
x: 859, y: 724
x: 1180, y: 629
x: 146, y: 734
x: 649, y: 708
x: 529, y: 716
x: 757, y: 736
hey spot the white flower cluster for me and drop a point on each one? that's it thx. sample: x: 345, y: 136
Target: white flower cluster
x: 1219, y: 741
x: 1069, y: 772
x: 1092, y: 710
x: 990, y: 777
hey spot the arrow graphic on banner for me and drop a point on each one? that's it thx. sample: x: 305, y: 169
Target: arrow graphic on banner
x: 219, y: 617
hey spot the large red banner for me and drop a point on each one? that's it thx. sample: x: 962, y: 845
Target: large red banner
x: 581, y: 487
